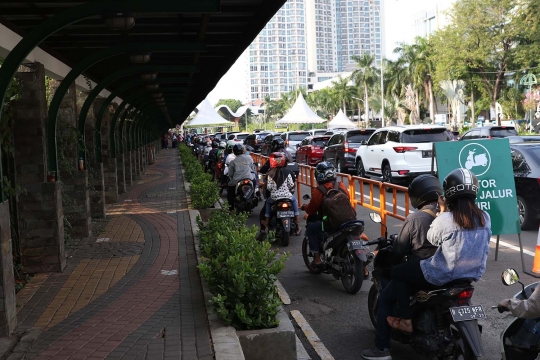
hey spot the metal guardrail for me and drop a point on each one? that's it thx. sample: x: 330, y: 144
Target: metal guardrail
x: 357, y: 191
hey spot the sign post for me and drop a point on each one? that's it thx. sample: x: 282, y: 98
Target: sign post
x: 491, y: 162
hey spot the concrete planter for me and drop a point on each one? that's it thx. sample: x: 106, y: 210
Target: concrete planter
x: 270, y: 344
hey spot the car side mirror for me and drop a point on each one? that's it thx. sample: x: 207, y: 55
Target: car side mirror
x: 297, y: 146
x: 324, y: 144
x: 364, y: 142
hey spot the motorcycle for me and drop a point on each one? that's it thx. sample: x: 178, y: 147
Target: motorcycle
x: 445, y: 324
x: 245, y: 196
x: 521, y: 339
x: 282, y: 220
x: 475, y: 160
x: 343, y: 254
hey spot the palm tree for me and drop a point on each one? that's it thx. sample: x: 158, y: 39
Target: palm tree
x: 343, y: 91
x: 365, y: 75
x: 453, y: 90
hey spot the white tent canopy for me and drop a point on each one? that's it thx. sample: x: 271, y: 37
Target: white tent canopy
x: 341, y: 121
x: 300, y: 113
x: 207, y: 117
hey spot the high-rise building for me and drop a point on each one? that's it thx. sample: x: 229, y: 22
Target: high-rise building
x: 436, y: 18
x: 309, y: 37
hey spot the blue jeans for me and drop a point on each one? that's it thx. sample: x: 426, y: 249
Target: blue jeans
x: 270, y: 201
x: 385, y: 305
x: 313, y: 230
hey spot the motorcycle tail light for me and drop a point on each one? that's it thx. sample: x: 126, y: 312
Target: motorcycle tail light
x: 246, y: 181
x: 284, y: 205
x: 466, y: 294
x: 402, y: 149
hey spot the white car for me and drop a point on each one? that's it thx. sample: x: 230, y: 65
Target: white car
x: 399, y: 153
x: 238, y: 137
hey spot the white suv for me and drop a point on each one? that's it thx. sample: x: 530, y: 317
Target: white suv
x: 399, y: 153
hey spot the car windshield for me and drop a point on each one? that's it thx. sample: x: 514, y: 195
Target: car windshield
x: 534, y: 151
x: 319, y: 140
x: 358, y: 138
x: 242, y: 136
x: 298, y: 136
x: 500, y: 132
x: 262, y: 136
x: 424, y: 135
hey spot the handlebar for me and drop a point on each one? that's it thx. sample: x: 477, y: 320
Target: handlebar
x: 500, y: 308
x: 382, y: 241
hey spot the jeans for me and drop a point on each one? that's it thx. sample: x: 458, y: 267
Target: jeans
x: 270, y: 201
x: 385, y: 304
x: 313, y: 229
x: 406, y: 277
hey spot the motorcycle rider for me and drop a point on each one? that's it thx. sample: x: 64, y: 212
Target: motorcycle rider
x: 212, y: 157
x: 424, y: 192
x: 239, y: 168
x: 524, y: 309
x: 462, y: 233
x: 279, y: 182
x: 325, y: 174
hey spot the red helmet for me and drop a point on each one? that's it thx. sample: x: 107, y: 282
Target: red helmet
x: 277, y: 160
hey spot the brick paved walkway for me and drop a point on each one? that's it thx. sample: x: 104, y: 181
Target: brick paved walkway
x: 133, y: 292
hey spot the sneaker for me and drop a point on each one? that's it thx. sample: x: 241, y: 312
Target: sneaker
x: 376, y: 354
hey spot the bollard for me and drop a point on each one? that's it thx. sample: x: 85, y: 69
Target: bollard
x: 536, y: 263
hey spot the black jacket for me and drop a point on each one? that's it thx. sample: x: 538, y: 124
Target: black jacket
x: 412, y: 239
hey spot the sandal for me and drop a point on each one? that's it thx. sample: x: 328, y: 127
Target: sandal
x: 314, y: 265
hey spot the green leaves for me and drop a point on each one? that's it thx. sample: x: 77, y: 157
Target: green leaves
x: 240, y: 271
x: 203, y: 192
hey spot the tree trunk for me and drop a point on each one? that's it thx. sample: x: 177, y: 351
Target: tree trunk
x: 366, y: 105
x: 417, y: 109
x: 473, y: 112
x: 431, y: 102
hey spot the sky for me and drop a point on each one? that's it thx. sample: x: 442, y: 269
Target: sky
x: 399, y: 27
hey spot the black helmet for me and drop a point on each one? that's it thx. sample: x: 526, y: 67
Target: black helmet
x: 325, y: 172
x: 215, y: 144
x: 238, y: 149
x: 278, y: 144
x: 460, y: 182
x: 424, y: 189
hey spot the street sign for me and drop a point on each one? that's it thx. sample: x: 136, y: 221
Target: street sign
x: 491, y: 162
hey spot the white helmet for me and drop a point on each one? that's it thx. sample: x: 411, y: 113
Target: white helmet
x: 209, y: 143
x: 222, y: 145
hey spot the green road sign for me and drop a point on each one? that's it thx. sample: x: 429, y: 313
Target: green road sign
x: 491, y: 162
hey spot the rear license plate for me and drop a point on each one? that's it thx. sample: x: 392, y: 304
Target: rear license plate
x: 355, y: 245
x: 427, y: 153
x: 285, y: 214
x: 464, y: 313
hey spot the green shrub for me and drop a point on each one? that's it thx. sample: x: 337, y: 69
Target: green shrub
x: 203, y: 191
x: 240, y: 271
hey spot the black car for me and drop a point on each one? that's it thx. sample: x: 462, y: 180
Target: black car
x: 256, y: 141
x: 489, y: 132
x: 341, y: 148
x: 265, y: 147
x: 526, y: 164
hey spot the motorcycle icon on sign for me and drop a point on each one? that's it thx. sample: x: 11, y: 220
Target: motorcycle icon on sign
x: 475, y: 160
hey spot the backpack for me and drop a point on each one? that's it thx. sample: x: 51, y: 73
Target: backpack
x: 336, y: 206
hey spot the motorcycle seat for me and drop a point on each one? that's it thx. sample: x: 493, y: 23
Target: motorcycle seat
x: 283, y: 200
x: 351, y: 223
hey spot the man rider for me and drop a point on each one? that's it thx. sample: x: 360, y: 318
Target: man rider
x: 412, y: 241
x: 240, y: 168
x: 325, y: 174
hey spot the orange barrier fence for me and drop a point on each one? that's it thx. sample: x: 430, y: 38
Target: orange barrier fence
x: 357, y: 192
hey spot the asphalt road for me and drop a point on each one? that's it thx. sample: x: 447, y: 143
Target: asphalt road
x: 341, y: 320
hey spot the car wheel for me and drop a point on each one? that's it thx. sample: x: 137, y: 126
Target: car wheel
x: 387, y: 175
x: 527, y: 216
x: 360, y: 171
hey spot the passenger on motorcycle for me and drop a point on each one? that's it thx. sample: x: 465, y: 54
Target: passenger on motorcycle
x: 461, y: 231
x: 325, y: 174
x: 424, y: 192
x: 279, y: 182
x: 239, y: 168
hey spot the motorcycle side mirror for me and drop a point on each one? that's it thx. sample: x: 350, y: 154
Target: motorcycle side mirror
x: 306, y: 197
x: 510, y: 277
x: 375, y: 217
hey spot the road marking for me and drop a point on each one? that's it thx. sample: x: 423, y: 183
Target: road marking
x: 285, y: 299
x: 389, y: 204
x: 510, y: 246
x: 313, y: 339
x: 169, y: 272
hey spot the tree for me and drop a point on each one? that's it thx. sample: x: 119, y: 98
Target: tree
x: 365, y: 75
x: 454, y: 94
x: 485, y: 37
x: 342, y: 91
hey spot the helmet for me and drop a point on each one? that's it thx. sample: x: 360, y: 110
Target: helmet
x: 214, y: 144
x: 325, y: 172
x: 460, y: 182
x: 230, y: 143
x: 277, y: 160
x: 277, y: 144
x: 222, y: 145
x: 208, y: 143
x: 424, y: 189
x: 238, y: 149
x: 249, y: 149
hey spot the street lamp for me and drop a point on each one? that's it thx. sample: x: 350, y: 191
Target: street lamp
x: 372, y: 2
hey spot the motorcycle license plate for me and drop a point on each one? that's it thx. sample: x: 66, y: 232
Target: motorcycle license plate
x: 355, y: 245
x: 464, y: 313
x: 285, y: 214
x: 427, y: 153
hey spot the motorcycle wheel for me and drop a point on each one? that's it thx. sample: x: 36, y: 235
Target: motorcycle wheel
x: 307, y: 259
x: 372, y: 300
x: 353, y: 282
x: 285, y: 238
x: 462, y: 350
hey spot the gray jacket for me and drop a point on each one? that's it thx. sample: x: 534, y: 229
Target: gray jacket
x: 412, y: 239
x: 240, y: 168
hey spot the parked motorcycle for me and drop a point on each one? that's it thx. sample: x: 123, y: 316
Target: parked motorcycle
x: 245, y: 196
x: 521, y: 339
x: 343, y: 254
x: 444, y: 321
